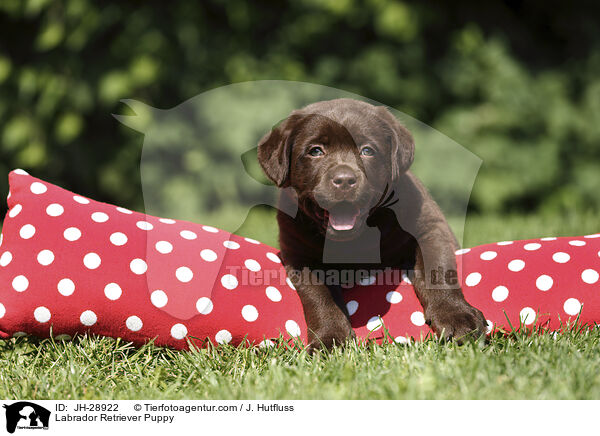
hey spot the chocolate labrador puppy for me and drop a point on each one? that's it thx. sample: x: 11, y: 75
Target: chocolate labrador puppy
x: 347, y: 163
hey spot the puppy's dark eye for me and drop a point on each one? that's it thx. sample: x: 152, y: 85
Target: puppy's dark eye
x: 316, y: 151
x: 367, y: 151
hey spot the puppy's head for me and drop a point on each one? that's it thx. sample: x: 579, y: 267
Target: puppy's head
x: 342, y: 157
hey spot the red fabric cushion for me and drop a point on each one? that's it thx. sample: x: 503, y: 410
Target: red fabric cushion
x: 70, y: 265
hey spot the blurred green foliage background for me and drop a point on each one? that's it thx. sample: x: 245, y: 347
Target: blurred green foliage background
x: 517, y: 83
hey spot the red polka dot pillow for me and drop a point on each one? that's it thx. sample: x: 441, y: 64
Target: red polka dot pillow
x: 71, y: 265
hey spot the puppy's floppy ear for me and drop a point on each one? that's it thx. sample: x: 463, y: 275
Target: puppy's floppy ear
x: 275, y: 150
x: 402, y: 143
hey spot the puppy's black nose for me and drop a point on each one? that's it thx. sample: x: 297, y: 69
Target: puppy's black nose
x: 344, y: 178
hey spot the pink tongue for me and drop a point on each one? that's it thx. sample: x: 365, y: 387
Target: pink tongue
x: 343, y: 220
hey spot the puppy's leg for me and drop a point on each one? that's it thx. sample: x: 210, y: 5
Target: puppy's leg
x: 326, y: 315
x: 446, y: 310
x: 437, y: 287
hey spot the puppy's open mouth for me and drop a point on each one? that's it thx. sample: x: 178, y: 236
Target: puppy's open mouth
x: 342, y: 217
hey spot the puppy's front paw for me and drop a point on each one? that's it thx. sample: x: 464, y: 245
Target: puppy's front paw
x: 329, y: 336
x: 456, y: 319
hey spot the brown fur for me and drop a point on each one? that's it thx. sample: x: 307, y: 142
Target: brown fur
x: 413, y: 230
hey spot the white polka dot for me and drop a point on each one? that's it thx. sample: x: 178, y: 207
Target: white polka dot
x: 88, y: 318
x: 473, y: 279
x: 81, y: 200
x: 527, y: 316
x: 159, y: 298
x: 367, y: 281
x: 292, y: 328
x: 374, y: 323
x: 189, y: 235
x: 184, y: 274
x: 589, y: 276
x: 266, y: 343
x: 406, y: 278
x: 231, y: 245
x: 249, y: 313
x: 119, y: 239
x: 42, y: 314
x: 72, y: 234
x: 252, y: 241
x: 15, y: 210
x: 462, y: 251
x: 1, y: 239
x: 550, y: 238
x: 208, y: 255
x: 99, y: 217
x: 66, y: 287
x: 123, y: 210
x: 273, y: 257
x: 393, y: 297
x: 144, y: 225
x: 289, y: 283
x: 138, y: 266
x: 544, y: 282
x: 210, y: 229
x: 20, y: 283
x: 113, y: 291
x: 21, y: 172
x: 417, y: 318
x: 2, y: 310
x: 273, y: 293
x: 595, y: 235
x: 561, y: 257
x: 572, y: 306
x: 92, y: 261
x: 134, y: 323
x: 179, y: 331
x: 516, y: 265
x: 6, y: 258
x: 223, y: 337
x: 532, y: 246
x: 55, y: 209
x: 27, y: 231
x: 488, y: 255
x: 505, y: 243
x: 45, y: 257
x: 352, y: 307
x: 204, y: 305
x: 489, y: 326
x: 164, y: 247
x: 229, y: 281
x: 167, y: 221
x: 38, y: 188
x: 577, y: 243
x: 401, y: 340
x: 252, y: 265
x: 500, y: 293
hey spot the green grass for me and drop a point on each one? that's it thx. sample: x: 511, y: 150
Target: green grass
x: 519, y: 366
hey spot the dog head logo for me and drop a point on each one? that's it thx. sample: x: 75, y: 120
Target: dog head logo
x: 26, y: 415
x: 199, y: 159
x: 199, y: 163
